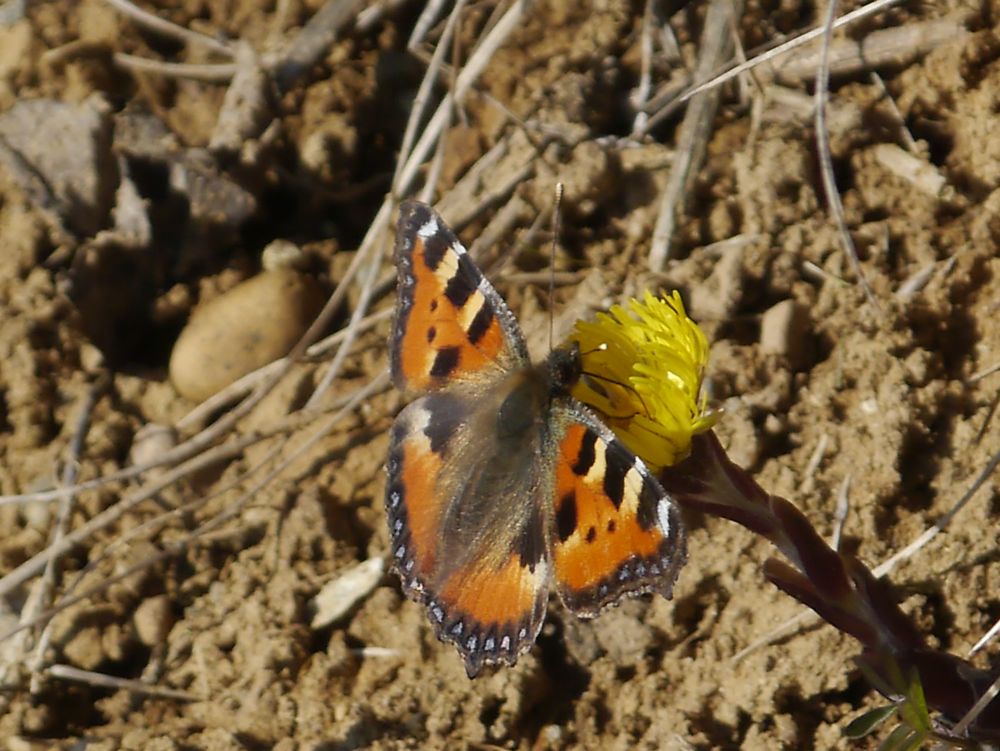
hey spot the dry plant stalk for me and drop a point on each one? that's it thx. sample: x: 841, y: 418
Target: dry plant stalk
x: 837, y: 586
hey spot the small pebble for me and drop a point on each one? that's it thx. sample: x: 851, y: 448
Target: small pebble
x: 784, y: 332
x: 340, y: 595
x: 153, y: 620
x: 84, y: 649
x: 38, y: 515
x: 282, y: 254
x: 243, y: 329
x: 151, y: 442
x: 91, y: 358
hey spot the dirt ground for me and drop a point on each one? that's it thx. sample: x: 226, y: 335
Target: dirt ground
x: 123, y: 208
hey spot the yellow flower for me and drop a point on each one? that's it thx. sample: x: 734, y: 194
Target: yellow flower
x: 642, y: 372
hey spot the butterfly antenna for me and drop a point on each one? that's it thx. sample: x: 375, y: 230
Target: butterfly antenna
x: 556, y: 228
x: 624, y: 385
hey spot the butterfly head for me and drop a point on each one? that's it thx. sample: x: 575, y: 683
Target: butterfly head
x: 565, y: 367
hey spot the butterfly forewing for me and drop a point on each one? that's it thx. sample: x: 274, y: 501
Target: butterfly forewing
x: 450, y: 323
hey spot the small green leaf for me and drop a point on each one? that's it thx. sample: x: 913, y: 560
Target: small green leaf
x: 914, y: 711
x: 916, y: 695
x: 861, y: 726
x: 901, y: 739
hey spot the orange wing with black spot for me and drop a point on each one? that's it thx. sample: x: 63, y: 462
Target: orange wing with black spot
x: 450, y: 323
x: 473, y: 554
x: 616, y: 532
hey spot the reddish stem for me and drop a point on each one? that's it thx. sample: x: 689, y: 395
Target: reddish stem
x: 838, y: 587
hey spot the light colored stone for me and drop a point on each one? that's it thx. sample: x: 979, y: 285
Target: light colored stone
x: 243, y: 329
x: 281, y: 254
x: 153, y: 620
x: 784, y: 332
x: 151, y: 441
x: 38, y: 515
x: 84, y: 649
x: 340, y: 595
x: 68, y: 148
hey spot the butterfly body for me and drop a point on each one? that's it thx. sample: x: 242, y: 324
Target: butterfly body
x: 499, y: 483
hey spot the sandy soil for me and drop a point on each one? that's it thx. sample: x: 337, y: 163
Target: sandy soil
x: 898, y: 403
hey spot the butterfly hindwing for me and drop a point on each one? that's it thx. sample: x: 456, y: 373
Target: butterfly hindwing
x: 616, y: 532
x: 450, y: 323
x: 475, y: 558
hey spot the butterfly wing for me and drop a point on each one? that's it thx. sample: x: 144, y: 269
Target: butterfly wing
x: 615, y: 530
x: 467, y: 539
x: 450, y: 322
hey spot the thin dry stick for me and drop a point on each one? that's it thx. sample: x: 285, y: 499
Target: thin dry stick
x: 353, y: 328
x: 69, y: 673
x: 437, y: 163
x: 377, y: 384
x: 472, y: 195
x: 990, y: 411
x: 207, y: 72
x: 817, y: 457
x: 152, y: 525
x: 884, y: 47
x: 855, y: 15
x: 987, y: 638
x: 422, y: 97
x: 31, y: 567
x: 430, y: 13
x: 714, y: 47
x: 48, y: 580
x: 915, y: 282
x: 840, y: 515
x: 201, y: 460
x: 470, y: 73
x: 977, y: 709
x: 904, y: 133
x: 68, y: 601
x: 988, y: 371
x: 190, y: 448
x: 494, y: 18
x: 784, y: 629
x: 367, y: 247
x: 641, y: 94
x: 313, y: 41
x: 942, y: 523
x: 500, y: 225
x: 663, y: 105
x: 374, y: 13
x: 247, y: 383
x: 826, y: 159
x: 167, y: 28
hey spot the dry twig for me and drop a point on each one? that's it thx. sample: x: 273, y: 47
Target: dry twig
x: 826, y: 160
x: 715, y: 46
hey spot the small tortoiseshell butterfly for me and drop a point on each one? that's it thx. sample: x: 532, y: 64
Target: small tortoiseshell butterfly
x: 498, y: 481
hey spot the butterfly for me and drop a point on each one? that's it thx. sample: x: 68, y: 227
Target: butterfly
x: 501, y: 485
